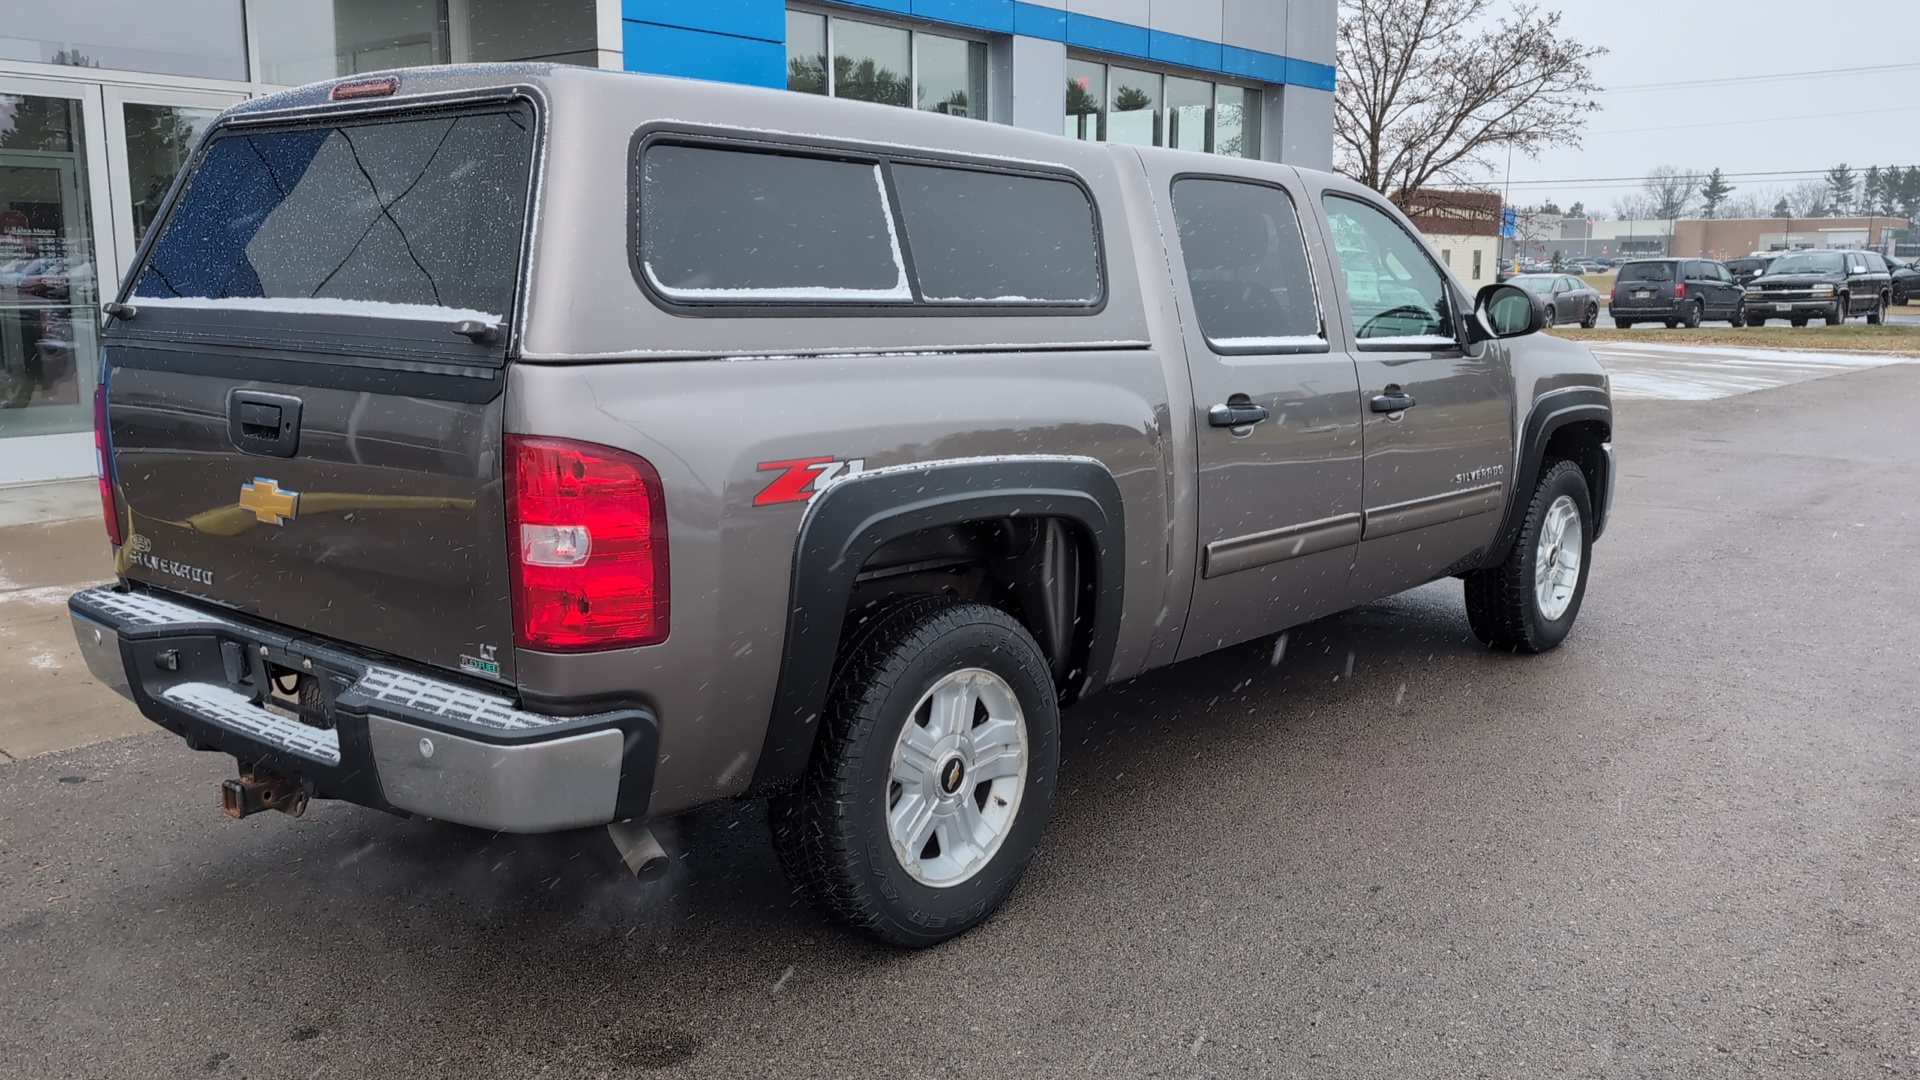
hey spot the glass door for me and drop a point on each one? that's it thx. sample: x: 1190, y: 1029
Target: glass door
x: 150, y: 133
x: 51, y: 196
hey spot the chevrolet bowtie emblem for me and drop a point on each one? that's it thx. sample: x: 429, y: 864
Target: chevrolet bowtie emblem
x: 268, y: 503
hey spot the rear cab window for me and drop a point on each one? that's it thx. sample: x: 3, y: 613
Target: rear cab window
x: 375, y: 233
x: 732, y: 228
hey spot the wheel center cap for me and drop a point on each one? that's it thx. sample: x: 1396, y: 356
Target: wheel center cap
x: 951, y: 775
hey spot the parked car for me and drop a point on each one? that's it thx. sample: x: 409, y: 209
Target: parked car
x: 862, y: 442
x: 1569, y: 300
x: 1748, y: 267
x: 1905, y: 283
x: 1677, y: 292
x: 1828, y: 285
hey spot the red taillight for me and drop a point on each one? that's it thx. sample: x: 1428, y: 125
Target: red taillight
x: 1679, y: 290
x: 1614, y: 293
x: 365, y: 88
x: 103, y: 463
x: 588, y: 535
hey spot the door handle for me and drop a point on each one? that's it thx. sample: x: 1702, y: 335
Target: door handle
x: 1394, y: 400
x: 1238, y: 415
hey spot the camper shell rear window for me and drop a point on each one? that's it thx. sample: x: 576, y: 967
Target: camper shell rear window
x: 417, y: 217
x: 739, y: 228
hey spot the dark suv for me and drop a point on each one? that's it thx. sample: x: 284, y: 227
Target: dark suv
x: 1832, y: 285
x: 1677, y: 292
x: 1750, y: 267
x: 1906, y: 283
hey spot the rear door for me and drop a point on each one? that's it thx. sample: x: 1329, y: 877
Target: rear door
x: 306, y: 403
x: 1438, y: 416
x: 1278, y: 411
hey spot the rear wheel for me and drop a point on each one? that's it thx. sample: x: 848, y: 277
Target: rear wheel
x: 1592, y: 318
x: 1623, y: 324
x: 1529, y: 602
x: 933, y: 778
x: 1695, y: 312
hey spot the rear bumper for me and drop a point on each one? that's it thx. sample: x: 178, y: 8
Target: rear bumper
x: 399, y: 740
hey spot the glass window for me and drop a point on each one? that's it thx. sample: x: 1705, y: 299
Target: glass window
x: 1134, y: 109
x: 952, y: 75
x: 1189, y: 113
x: 303, y: 41
x: 1647, y: 271
x: 1236, y: 123
x: 180, y: 37
x: 1476, y: 265
x: 987, y: 237
x: 48, y: 282
x: 422, y: 211
x: 1393, y: 291
x: 1247, y: 266
x: 871, y: 62
x: 806, y: 52
x: 1086, y: 101
x: 159, y: 138
x: 556, y: 31
x: 738, y: 225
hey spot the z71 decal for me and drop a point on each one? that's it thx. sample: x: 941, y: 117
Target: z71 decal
x: 801, y: 479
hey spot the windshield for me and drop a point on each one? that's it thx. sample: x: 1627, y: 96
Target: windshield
x: 1647, y: 271
x: 411, y: 218
x: 1822, y: 263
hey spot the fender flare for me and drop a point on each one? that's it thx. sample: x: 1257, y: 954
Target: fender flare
x: 850, y: 520
x: 1548, y: 414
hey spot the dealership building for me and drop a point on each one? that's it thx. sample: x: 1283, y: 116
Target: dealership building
x: 101, y: 101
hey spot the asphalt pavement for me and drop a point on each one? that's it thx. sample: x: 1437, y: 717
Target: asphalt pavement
x: 1686, y: 844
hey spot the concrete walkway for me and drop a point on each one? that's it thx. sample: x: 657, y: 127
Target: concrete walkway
x: 48, y: 701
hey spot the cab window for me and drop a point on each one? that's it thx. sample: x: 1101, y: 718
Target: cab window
x: 1397, y: 297
x: 1247, y: 267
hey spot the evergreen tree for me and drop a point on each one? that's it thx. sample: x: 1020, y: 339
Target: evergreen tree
x: 1873, y: 192
x: 1715, y: 191
x: 1578, y: 210
x: 1781, y: 209
x: 1841, y: 183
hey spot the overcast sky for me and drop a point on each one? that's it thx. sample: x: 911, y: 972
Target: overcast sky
x: 1848, y: 118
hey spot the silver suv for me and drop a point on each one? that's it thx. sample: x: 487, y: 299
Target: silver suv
x: 537, y: 448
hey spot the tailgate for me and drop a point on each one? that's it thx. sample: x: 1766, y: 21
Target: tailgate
x: 305, y: 405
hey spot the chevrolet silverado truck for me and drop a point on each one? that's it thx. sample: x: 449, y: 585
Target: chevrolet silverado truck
x: 537, y: 448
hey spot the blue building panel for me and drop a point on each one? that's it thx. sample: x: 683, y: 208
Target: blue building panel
x: 765, y: 20
x: 992, y: 15
x: 1038, y: 20
x: 1105, y: 35
x: 1185, y: 51
x: 892, y: 7
x: 701, y: 54
x: 1252, y: 64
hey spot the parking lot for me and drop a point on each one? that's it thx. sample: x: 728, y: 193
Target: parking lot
x: 1685, y: 844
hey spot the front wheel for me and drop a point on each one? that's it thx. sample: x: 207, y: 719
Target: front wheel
x: 1756, y: 320
x: 1529, y: 602
x: 933, y: 778
x: 1837, y: 314
x: 1739, y: 315
x: 1878, y: 316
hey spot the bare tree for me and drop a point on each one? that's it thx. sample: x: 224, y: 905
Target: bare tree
x: 1671, y: 191
x: 1429, y: 91
x: 1809, y: 200
x: 1751, y: 203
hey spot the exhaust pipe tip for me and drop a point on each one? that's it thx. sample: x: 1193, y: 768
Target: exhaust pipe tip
x: 640, y: 850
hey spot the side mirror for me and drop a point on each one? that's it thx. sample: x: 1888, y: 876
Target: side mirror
x: 1507, y: 311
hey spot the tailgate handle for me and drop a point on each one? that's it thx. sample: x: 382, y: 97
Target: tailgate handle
x: 263, y: 423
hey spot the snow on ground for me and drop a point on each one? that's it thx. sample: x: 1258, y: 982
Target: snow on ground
x: 1705, y: 372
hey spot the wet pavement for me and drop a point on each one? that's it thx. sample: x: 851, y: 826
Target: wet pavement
x: 1685, y: 844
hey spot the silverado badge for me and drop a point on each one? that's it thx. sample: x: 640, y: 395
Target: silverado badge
x: 268, y: 502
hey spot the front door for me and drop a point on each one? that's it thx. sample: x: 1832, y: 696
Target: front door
x: 1278, y: 415
x: 1439, y: 415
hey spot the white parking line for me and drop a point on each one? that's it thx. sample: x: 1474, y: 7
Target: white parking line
x: 1703, y: 372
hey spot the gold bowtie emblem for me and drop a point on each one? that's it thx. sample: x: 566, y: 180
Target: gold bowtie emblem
x: 268, y: 503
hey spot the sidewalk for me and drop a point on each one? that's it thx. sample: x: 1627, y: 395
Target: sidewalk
x: 48, y: 701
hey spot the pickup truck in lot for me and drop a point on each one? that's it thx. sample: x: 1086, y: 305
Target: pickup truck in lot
x: 537, y: 448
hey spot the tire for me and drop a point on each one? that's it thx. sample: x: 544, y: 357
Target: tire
x: 1839, y: 313
x: 1878, y: 316
x: 837, y: 834
x: 1695, y: 313
x: 1756, y: 320
x: 1505, y: 605
x: 1900, y: 297
x: 1671, y: 323
x: 1592, y: 319
x: 1623, y: 324
x: 1552, y: 318
x: 1739, y: 315
x: 1798, y: 322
